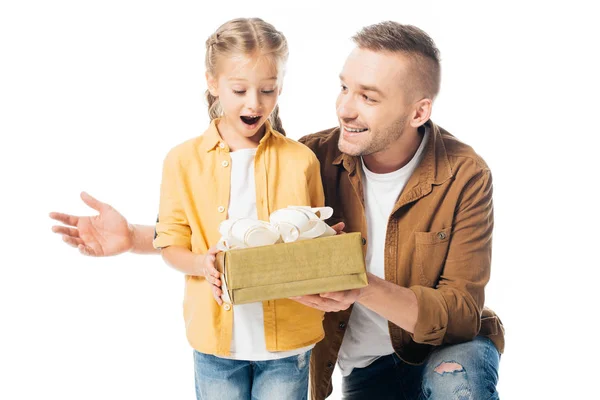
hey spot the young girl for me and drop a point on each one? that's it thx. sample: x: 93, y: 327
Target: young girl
x: 242, y: 166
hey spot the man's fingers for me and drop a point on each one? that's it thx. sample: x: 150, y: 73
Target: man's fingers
x: 339, y: 227
x: 344, y: 296
x: 336, y: 296
x: 65, y: 218
x: 305, y: 302
x: 92, y: 202
x: 308, y: 298
x: 315, y: 301
x: 64, y: 230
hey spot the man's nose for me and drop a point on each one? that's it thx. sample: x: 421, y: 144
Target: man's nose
x: 345, y: 107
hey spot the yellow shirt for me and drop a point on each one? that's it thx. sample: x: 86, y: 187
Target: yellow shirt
x: 194, y: 197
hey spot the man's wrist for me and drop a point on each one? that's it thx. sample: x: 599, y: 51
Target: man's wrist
x: 367, y: 291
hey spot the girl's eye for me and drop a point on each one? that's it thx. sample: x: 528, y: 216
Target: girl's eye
x: 268, y: 91
x: 239, y: 92
x: 343, y: 88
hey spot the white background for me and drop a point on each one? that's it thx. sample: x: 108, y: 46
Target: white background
x: 93, y: 94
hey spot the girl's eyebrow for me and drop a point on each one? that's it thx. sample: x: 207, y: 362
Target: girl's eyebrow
x: 233, y: 78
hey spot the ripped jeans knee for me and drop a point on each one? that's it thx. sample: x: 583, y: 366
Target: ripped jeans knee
x: 466, y: 371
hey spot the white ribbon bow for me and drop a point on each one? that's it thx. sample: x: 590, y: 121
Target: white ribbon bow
x: 286, y: 225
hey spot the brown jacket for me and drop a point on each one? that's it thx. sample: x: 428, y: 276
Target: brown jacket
x: 438, y: 241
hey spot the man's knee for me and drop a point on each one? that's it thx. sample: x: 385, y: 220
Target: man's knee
x: 448, y: 367
x: 449, y: 380
x: 464, y: 371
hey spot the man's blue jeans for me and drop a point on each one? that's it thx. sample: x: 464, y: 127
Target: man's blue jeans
x: 225, y: 379
x: 466, y: 371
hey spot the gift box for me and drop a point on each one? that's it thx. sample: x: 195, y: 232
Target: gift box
x: 277, y: 271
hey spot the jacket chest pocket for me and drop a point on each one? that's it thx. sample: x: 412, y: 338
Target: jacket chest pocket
x: 431, y: 251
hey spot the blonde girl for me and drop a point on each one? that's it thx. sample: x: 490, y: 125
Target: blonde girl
x: 242, y: 166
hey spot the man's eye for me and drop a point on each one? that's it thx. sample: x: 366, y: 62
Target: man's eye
x: 368, y: 99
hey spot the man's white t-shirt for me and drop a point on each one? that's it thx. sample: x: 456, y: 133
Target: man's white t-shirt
x: 367, y: 336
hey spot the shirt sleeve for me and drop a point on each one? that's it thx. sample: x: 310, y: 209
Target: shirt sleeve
x: 451, y: 312
x: 172, y: 226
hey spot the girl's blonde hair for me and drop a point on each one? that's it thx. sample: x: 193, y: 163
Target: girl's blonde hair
x: 248, y: 36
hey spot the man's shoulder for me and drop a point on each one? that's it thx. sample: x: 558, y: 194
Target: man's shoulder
x: 460, y: 154
x: 324, y: 143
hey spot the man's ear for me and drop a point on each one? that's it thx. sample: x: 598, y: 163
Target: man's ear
x: 421, y: 112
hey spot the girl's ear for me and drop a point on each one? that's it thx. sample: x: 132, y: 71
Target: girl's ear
x: 213, y: 84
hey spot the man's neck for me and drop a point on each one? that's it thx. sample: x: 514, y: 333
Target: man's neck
x: 396, y: 155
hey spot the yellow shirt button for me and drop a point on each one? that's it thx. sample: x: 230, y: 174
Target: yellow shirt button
x: 222, y: 145
x: 227, y: 307
x: 225, y: 163
x: 221, y: 209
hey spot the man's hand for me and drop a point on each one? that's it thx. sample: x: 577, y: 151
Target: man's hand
x: 330, y: 302
x: 333, y: 301
x: 209, y: 272
x: 339, y: 228
x: 105, y: 234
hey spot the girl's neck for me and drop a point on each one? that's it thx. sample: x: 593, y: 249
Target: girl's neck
x: 235, y: 141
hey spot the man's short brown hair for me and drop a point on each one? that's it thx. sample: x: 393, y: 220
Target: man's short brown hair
x: 407, y: 39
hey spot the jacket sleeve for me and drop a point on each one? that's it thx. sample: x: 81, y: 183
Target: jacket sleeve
x: 451, y: 312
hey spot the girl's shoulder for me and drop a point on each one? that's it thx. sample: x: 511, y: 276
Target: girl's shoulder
x: 185, y: 148
x: 291, y: 148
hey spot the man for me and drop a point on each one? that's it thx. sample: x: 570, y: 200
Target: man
x: 422, y: 200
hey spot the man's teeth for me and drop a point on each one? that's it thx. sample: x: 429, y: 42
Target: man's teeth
x: 355, y: 130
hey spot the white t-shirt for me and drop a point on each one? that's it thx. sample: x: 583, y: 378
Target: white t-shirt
x: 248, y: 341
x: 367, y: 337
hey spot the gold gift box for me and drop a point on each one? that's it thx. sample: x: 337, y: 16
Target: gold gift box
x: 284, y: 270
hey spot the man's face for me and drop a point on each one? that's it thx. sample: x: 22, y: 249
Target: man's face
x: 373, y: 104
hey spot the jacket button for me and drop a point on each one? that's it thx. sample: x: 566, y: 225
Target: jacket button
x: 330, y: 365
x: 364, y: 241
x: 441, y: 235
x: 221, y: 209
x: 342, y: 325
x: 225, y: 163
x: 227, y: 307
